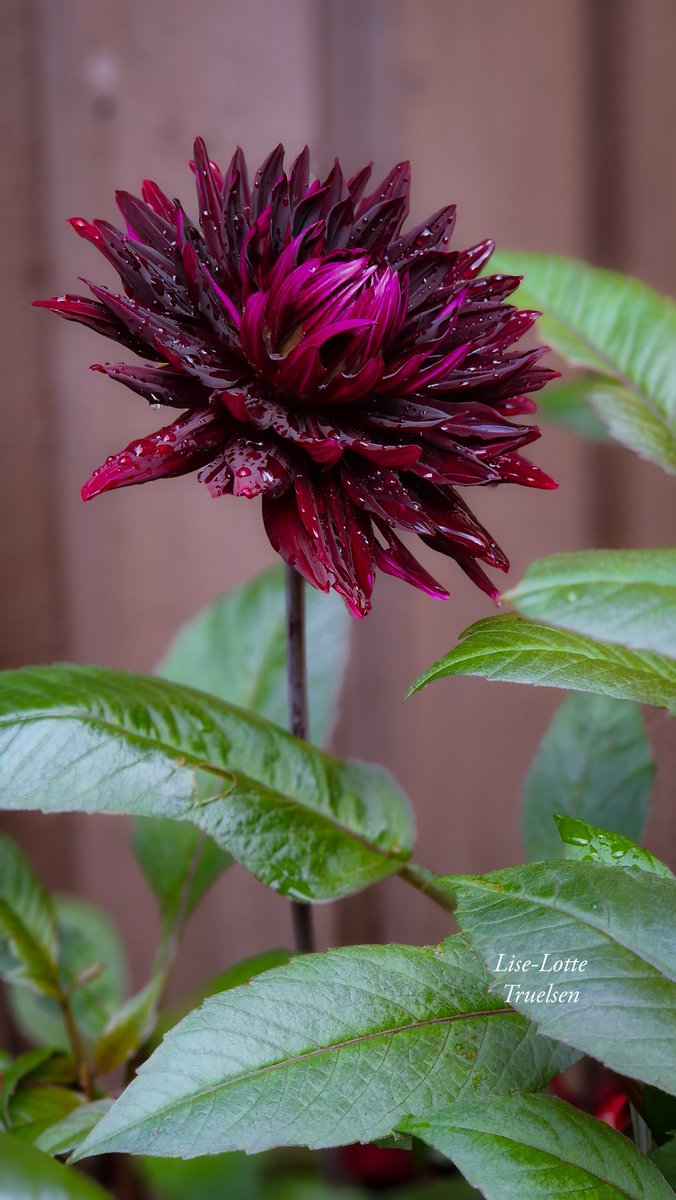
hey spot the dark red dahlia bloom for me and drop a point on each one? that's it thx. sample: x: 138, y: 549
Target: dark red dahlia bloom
x: 351, y: 374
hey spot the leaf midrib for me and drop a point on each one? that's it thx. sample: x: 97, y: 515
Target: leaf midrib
x: 333, y: 1047
x: 188, y: 759
x: 582, y: 649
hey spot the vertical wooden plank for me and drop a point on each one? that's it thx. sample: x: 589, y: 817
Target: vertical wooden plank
x: 32, y: 617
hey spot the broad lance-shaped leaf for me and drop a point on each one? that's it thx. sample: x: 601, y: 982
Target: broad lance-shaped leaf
x: 623, y: 596
x: 538, y: 1148
x: 34, y: 1109
x: 66, y: 1134
x: 304, y: 822
x: 236, y: 649
x: 616, y: 327
x: 92, y: 971
x: 588, y: 843
x: 514, y: 650
x: 28, y: 932
x: 620, y: 1007
x: 594, y: 762
x: 28, y: 1174
x: 128, y: 1029
x: 179, y: 862
x: 330, y: 1049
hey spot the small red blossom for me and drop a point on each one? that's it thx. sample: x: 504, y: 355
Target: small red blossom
x: 352, y: 375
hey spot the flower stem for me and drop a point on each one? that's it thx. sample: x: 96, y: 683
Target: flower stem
x: 77, y: 1048
x: 296, y: 673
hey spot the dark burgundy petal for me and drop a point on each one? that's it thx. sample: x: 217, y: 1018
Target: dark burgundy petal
x: 158, y: 385
x: 299, y: 178
x: 378, y: 225
x: 266, y: 413
x: 454, y: 465
x: 236, y: 179
x: 357, y: 183
x: 515, y: 469
x: 210, y: 198
x: 147, y: 276
x: 342, y: 538
x: 98, y: 317
x: 266, y: 178
x: 174, y: 450
x: 289, y: 538
x: 156, y: 199
x: 248, y: 468
x: 469, y: 565
x: 395, y: 186
x: 193, y: 350
x: 427, y: 236
x: 145, y: 225
x: 394, y: 559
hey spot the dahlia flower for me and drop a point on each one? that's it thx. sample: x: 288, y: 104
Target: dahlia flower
x: 352, y: 375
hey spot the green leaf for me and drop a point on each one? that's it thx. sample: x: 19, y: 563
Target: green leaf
x: 588, y: 843
x: 94, y: 740
x: 236, y: 649
x: 128, y: 1028
x: 624, y: 596
x: 28, y: 935
x: 616, y: 327
x: 35, y: 1108
x: 23, y: 1066
x: 631, y: 422
x: 621, y: 1006
x: 66, y: 1134
x: 539, y: 1148
x: 92, y: 971
x: 179, y: 862
x: 593, y: 762
x: 568, y: 404
x: 664, y: 1158
x: 28, y: 1174
x: 324, y: 1051
x: 514, y: 650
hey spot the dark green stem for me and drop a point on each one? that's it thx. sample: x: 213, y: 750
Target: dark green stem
x: 296, y: 673
x: 425, y: 881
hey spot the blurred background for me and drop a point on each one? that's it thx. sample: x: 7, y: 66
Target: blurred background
x: 551, y: 126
